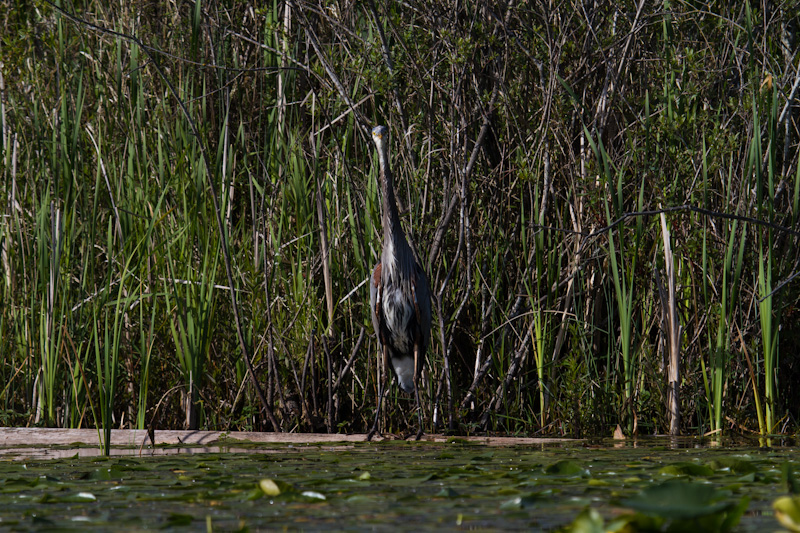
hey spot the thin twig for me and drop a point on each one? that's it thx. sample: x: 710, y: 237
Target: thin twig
x: 353, y: 354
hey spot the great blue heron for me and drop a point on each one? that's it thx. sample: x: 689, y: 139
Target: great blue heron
x: 399, y: 297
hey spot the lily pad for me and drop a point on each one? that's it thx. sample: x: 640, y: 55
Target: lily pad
x: 686, y: 469
x: 272, y: 487
x: 178, y: 520
x: 522, y: 502
x: 566, y: 467
x: 686, y: 506
x: 677, y: 499
x: 734, y: 465
x: 313, y: 495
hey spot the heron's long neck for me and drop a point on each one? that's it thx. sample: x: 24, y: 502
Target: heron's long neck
x: 392, y: 230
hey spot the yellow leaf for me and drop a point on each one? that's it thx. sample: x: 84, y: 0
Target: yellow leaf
x: 787, y: 511
x: 767, y: 83
x: 269, y: 487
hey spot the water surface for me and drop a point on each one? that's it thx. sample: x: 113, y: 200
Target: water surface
x: 369, y: 486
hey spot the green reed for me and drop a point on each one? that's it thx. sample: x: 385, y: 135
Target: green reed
x: 102, y: 193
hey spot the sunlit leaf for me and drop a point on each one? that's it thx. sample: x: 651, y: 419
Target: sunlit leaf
x: 269, y: 487
x: 588, y: 521
x: 787, y: 511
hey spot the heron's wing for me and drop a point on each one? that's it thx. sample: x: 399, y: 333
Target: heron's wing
x: 374, y: 281
x: 423, y: 305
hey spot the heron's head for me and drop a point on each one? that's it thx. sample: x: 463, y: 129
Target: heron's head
x: 379, y: 135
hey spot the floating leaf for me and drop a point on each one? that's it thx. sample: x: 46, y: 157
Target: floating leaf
x: 177, y: 520
x: 677, y: 499
x: 686, y: 469
x: 787, y: 511
x: 269, y: 487
x: 687, y: 506
x: 107, y: 473
x: 364, y: 499
x: 310, y: 494
x: 42, y: 521
x: 566, y: 467
x: 734, y: 465
x: 588, y: 521
x: 522, y: 502
x: 16, y: 484
x: 79, y: 498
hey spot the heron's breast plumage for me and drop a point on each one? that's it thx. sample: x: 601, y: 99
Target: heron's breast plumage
x: 398, y: 310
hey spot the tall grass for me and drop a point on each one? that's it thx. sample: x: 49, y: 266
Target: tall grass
x: 622, y: 259
x: 722, y: 309
x: 769, y: 311
x: 514, y: 147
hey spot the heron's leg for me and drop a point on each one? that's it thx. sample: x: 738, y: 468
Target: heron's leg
x: 416, y: 389
x: 377, y: 413
x: 381, y: 391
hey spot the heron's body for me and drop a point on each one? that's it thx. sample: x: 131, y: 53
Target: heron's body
x: 397, y: 322
x: 399, y: 294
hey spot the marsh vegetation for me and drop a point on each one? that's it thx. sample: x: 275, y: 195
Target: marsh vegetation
x: 605, y: 196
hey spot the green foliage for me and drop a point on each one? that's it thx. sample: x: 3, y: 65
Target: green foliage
x: 516, y: 136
